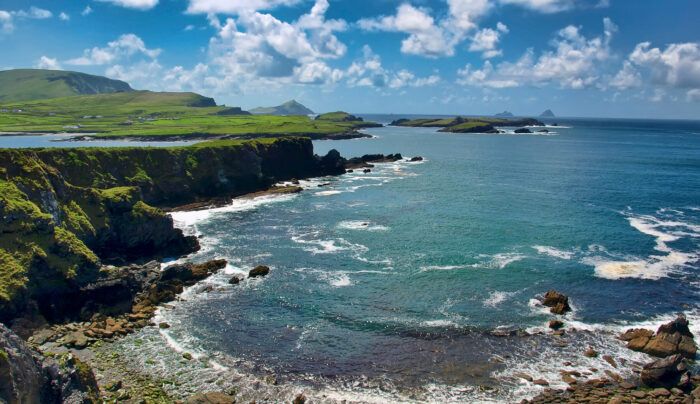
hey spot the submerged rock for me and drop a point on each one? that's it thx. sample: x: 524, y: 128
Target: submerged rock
x: 260, y: 270
x: 558, y: 303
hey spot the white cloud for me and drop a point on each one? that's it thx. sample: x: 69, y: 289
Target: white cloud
x: 234, y: 6
x: 136, y: 4
x: 34, y: 12
x: 64, y: 17
x: 48, y: 63
x: 572, y: 64
x: 87, y: 11
x: 125, y: 46
x: 543, y: 6
x: 6, y: 23
x: 369, y: 72
x: 676, y: 66
x: 486, y: 41
x: 189, y: 27
x: 270, y: 48
x: 693, y: 95
x: 627, y: 77
x: 426, y: 36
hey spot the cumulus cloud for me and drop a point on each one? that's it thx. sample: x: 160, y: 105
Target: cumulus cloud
x: 676, y: 66
x: 48, y: 63
x: 426, y: 36
x: 543, y: 6
x: 369, y: 72
x: 8, y: 18
x: 234, y: 6
x: 135, y: 4
x: 270, y: 48
x: 64, y: 17
x: 572, y: 64
x: 86, y: 11
x: 486, y: 41
x: 627, y: 77
x: 125, y: 46
x: 693, y: 95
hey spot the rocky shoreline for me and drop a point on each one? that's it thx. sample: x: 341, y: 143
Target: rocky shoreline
x: 114, y: 301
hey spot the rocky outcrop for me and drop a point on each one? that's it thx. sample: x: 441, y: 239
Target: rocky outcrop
x: 26, y: 376
x: 523, y: 130
x: 671, y: 338
x: 558, y: 303
x: 667, y: 372
x: 260, y: 270
x: 368, y: 159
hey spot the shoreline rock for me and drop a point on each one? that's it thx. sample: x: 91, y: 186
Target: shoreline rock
x: 558, y: 303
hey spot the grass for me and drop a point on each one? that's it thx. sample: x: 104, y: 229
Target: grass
x: 468, y: 125
x: 158, y: 116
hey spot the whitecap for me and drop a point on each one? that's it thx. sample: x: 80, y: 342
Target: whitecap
x: 327, y: 246
x: 553, y: 252
x: 497, y: 297
x: 361, y: 225
x: 328, y: 193
x: 500, y: 260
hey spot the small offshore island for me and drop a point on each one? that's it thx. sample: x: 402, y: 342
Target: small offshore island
x: 86, y: 240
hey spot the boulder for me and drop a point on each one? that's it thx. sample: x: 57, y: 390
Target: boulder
x: 555, y: 324
x: 666, y: 372
x: 366, y: 170
x: 671, y: 338
x: 417, y: 158
x: 299, y: 399
x: 558, y: 303
x: 543, y: 131
x: 235, y: 280
x: 260, y: 270
x: 523, y: 130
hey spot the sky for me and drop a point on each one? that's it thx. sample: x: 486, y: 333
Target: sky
x: 587, y: 58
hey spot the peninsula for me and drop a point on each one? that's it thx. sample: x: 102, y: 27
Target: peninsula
x: 467, y: 125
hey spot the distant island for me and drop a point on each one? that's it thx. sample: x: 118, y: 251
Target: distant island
x: 467, y: 125
x: 505, y: 114
x: 291, y: 107
x: 547, y: 114
x: 34, y: 84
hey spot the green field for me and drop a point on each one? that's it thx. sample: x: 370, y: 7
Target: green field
x: 159, y: 116
x: 467, y: 125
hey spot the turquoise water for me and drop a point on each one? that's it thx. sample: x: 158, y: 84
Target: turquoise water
x: 406, y: 282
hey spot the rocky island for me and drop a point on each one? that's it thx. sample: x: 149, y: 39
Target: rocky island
x: 467, y: 125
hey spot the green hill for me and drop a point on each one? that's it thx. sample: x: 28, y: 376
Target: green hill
x: 33, y: 84
x: 288, y: 108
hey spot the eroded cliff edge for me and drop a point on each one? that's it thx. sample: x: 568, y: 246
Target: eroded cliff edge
x: 64, y: 212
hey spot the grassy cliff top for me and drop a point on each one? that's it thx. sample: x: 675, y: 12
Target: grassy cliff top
x: 32, y: 84
x: 156, y: 116
x: 466, y: 122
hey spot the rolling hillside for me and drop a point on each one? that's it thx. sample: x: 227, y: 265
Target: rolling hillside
x: 33, y: 84
x: 288, y: 108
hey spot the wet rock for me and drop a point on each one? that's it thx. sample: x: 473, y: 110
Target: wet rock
x: 523, y: 130
x: 350, y: 171
x: 558, y: 303
x: 163, y: 325
x: 299, y: 399
x: 660, y: 392
x: 543, y: 131
x: 555, y: 324
x: 366, y: 170
x: 665, y: 372
x: 211, y: 398
x: 610, y: 360
x: 235, y: 280
x: 524, y: 376
x: 672, y: 338
x: 591, y: 353
x: 567, y: 378
x: 295, y: 181
x: 417, y: 158
x: 627, y: 386
x: 541, y: 382
x: 260, y: 270
x: 114, y: 385
x: 187, y: 356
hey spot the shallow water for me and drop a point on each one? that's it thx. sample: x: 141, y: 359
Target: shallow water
x: 398, y: 284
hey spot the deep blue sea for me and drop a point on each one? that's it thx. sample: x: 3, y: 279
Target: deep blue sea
x: 421, y: 281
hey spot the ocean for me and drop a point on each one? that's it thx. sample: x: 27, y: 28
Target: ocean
x: 421, y: 281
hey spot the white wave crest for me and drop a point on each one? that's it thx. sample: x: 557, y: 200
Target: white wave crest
x: 553, y: 252
x: 361, y: 225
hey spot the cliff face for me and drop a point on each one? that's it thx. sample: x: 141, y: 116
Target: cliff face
x: 63, y: 212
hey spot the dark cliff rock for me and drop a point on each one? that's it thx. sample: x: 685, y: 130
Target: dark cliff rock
x: 367, y: 159
x: 26, y: 376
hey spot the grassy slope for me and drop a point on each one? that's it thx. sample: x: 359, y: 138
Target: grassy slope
x: 288, y: 108
x: 33, y: 84
x: 175, y: 117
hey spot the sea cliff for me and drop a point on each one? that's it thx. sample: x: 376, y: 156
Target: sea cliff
x: 66, y: 212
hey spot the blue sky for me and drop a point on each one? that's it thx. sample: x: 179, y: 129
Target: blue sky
x: 598, y: 58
